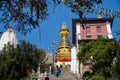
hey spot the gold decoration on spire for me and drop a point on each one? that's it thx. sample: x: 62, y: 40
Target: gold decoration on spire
x: 64, y: 31
x: 99, y: 15
x: 63, y: 52
x: 10, y: 27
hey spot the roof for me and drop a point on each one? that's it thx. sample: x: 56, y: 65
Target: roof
x: 93, y: 19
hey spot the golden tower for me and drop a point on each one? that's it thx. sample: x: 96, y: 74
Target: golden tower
x: 63, y: 53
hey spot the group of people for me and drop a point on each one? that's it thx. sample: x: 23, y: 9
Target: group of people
x: 57, y: 71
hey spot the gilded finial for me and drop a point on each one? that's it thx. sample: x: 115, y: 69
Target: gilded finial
x: 64, y: 30
x: 10, y: 27
x: 99, y: 15
x: 64, y: 26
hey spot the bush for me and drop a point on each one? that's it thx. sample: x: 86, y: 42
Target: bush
x: 97, y: 78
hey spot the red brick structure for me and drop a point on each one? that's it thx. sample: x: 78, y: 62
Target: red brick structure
x: 91, y: 29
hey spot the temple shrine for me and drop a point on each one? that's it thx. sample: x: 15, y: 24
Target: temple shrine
x: 63, y: 52
x: 8, y: 36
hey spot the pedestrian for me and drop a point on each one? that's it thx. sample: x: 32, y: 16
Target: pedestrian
x: 47, y: 78
x: 57, y: 73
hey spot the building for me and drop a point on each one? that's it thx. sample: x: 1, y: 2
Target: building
x: 89, y: 29
x: 8, y: 36
x: 92, y: 29
x: 49, y: 57
x: 63, y: 52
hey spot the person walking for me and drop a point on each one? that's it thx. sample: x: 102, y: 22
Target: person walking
x: 47, y: 78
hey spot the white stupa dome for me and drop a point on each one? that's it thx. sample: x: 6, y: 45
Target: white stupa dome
x: 8, y: 36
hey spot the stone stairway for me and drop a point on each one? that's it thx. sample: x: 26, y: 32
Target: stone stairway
x: 66, y: 76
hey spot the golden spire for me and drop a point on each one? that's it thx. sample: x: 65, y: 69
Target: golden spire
x: 63, y: 52
x: 64, y: 31
x: 99, y: 15
x: 10, y: 27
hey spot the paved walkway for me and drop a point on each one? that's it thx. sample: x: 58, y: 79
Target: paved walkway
x: 67, y: 75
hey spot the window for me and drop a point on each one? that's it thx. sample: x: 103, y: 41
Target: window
x: 88, y: 30
x: 99, y: 36
x: 88, y: 37
x: 98, y: 28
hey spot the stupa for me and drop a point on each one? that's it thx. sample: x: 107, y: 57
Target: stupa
x: 63, y: 52
x: 8, y: 36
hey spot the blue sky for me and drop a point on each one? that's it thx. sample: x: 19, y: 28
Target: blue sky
x: 48, y: 33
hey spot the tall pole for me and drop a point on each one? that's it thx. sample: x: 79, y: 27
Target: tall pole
x: 80, y: 65
x: 77, y: 44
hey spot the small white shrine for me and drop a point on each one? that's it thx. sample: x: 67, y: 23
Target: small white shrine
x: 8, y: 36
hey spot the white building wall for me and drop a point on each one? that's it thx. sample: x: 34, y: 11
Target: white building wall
x: 74, y: 61
x: 74, y: 50
x: 110, y: 36
x: 78, y: 36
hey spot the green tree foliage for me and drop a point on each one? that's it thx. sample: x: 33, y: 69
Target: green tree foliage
x: 116, y: 67
x: 97, y: 78
x: 25, y: 14
x: 77, y: 5
x: 17, y: 62
x: 102, y: 52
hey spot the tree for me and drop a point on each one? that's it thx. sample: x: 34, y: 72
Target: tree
x: 117, y: 62
x: 26, y: 14
x: 102, y: 53
x: 17, y: 62
x: 78, y: 6
x: 97, y: 78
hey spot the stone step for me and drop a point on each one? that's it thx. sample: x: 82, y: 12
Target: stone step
x: 66, y: 76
